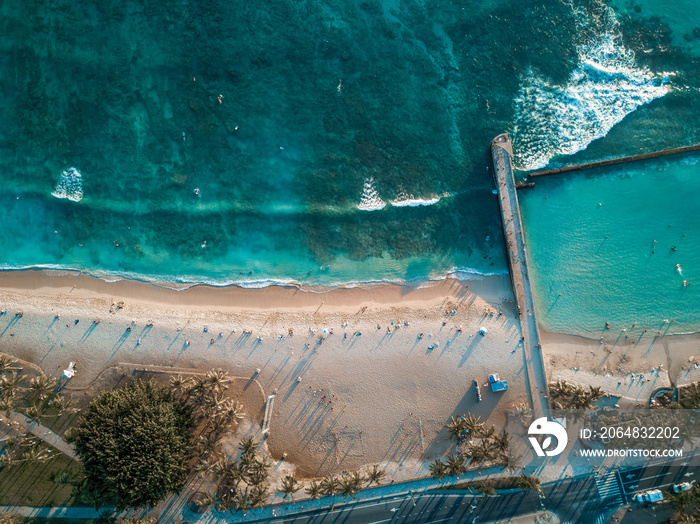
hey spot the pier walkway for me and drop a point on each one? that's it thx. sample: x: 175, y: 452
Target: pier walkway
x: 502, y: 153
x: 614, y: 161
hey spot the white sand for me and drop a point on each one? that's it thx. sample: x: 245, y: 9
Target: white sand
x: 585, y: 361
x: 361, y: 399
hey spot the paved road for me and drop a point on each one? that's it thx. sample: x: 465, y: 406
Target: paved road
x: 661, y: 474
x: 590, y: 499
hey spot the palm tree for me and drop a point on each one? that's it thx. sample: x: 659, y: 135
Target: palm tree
x: 9, y: 382
x: 91, y: 498
x: 35, y: 411
x: 473, y: 425
x: 348, y: 486
x: 180, y: 384
x: 248, y: 445
x: 217, y: 379
x: 259, y: 495
x: 242, y: 501
x: 455, y: 427
x: 528, y: 483
x: 330, y: 485
x: 437, y: 469
x: 60, y: 403
x: 455, y: 465
x: 211, y: 404
x: 43, y: 384
x: 206, y: 445
x: 262, y: 464
x: 479, y: 453
x: 227, y: 470
x: 501, y: 442
x: 257, y: 472
x: 289, y: 486
x: 375, y: 475
x: 487, y: 489
x: 176, y: 383
x: 313, y: 490
x: 7, y: 363
x: 358, y: 478
x: 203, y: 499
x: 224, y: 501
x: 206, y: 466
x: 232, y: 411
x: 690, y: 396
x: 38, y: 453
x: 487, y: 433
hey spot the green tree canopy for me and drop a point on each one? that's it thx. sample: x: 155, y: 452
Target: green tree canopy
x: 134, y: 444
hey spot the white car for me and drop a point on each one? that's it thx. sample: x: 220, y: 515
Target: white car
x: 684, y: 486
x: 653, y: 495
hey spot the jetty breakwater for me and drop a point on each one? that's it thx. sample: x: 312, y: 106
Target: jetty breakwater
x: 502, y: 155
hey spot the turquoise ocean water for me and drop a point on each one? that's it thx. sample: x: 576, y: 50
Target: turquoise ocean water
x: 340, y: 142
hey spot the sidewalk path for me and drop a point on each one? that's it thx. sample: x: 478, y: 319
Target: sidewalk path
x: 19, y: 422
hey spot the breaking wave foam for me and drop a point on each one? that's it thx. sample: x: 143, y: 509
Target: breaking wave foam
x: 404, y: 199
x: 70, y: 185
x: 606, y: 86
x: 370, y: 200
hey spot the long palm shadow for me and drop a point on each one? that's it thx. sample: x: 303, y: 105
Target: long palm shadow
x: 119, y: 343
x: 55, y: 319
x: 145, y: 331
x: 175, y: 339
x: 278, y: 370
x: 469, y: 350
x: 88, y: 332
x: 291, y: 390
x: 10, y: 324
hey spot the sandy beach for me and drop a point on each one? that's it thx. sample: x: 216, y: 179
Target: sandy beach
x: 377, y: 386
x: 624, y: 367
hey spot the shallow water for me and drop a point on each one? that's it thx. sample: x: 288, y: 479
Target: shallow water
x: 233, y: 142
x: 618, y: 245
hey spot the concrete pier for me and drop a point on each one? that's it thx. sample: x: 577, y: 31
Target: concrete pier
x: 502, y: 154
x: 614, y: 161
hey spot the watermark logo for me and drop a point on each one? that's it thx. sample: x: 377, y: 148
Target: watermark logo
x: 542, y: 426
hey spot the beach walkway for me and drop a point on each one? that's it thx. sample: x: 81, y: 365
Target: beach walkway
x: 20, y: 422
x: 502, y: 153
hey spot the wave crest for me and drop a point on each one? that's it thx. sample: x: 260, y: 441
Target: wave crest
x: 70, y: 185
x: 606, y: 86
x: 370, y: 200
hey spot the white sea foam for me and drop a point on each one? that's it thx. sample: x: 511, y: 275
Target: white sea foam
x: 404, y: 199
x: 606, y: 86
x: 70, y: 185
x: 370, y: 200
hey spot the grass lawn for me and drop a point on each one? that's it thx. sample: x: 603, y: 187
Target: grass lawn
x: 28, y: 484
